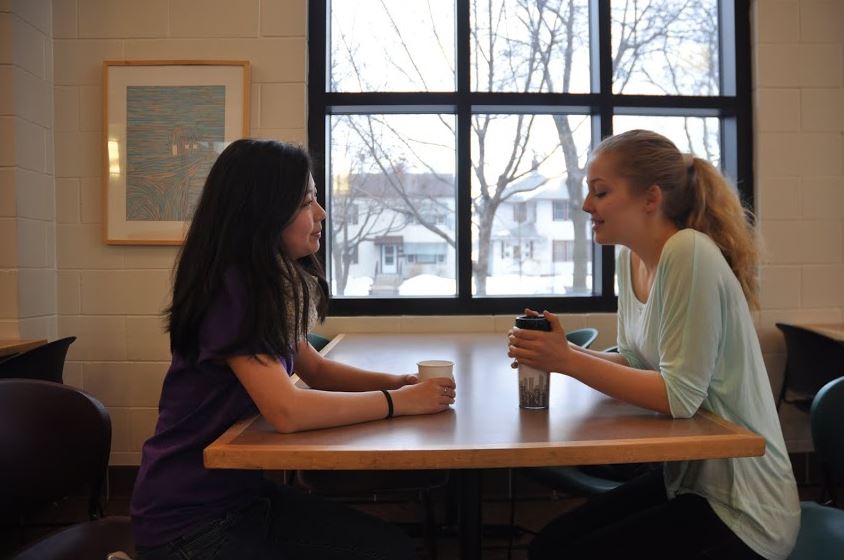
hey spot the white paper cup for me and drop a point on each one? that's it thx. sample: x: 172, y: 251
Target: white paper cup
x: 428, y: 369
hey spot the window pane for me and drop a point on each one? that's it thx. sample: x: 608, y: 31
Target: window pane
x: 521, y: 165
x: 665, y: 47
x: 698, y: 135
x: 380, y: 45
x: 520, y: 46
x: 392, y: 205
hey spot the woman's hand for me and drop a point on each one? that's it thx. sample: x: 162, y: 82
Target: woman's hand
x: 424, y: 397
x: 546, y: 351
x: 404, y: 379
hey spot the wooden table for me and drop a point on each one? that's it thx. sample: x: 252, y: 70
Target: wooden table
x: 484, y: 429
x: 10, y: 346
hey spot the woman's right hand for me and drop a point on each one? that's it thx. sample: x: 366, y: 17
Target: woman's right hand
x: 425, y: 397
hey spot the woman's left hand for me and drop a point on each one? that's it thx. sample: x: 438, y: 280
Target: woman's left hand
x: 546, y: 351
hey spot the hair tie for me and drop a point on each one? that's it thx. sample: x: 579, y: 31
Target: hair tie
x: 691, y: 177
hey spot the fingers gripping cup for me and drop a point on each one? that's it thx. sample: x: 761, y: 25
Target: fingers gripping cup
x: 534, y: 384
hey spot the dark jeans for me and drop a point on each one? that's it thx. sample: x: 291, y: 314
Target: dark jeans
x: 636, y: 520
x: 289, y: 524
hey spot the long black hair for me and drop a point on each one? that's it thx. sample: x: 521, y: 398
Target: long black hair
x: 254, y: 190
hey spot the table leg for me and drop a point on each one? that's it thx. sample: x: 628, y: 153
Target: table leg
x: 470, y: 513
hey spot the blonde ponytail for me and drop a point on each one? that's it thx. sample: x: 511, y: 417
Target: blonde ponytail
x: 695, y: 195
x: 718, y: 213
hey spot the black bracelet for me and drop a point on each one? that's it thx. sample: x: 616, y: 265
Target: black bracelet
x: 389, y: 403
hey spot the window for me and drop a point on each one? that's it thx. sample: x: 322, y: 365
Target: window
x: 461, y: 135
x: 562, y: 251
x: 560, y: 210
x: 520, y: 212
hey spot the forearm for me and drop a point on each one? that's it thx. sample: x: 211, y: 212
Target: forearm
x: 643, y: 388
x: 334, y: 376
x: 313, y: 409
x: 613, y: 357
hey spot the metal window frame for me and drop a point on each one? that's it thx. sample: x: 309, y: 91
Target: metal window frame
x: 733, y: 108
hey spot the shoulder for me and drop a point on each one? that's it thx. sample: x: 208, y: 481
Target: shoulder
x: 692, y: 261
x: 689, y: 247
x: 222, y: 321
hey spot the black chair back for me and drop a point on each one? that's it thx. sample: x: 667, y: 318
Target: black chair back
x: 582, y: 337
x: 812, y: 361
x: 827, y: 417
x: 44, y: 362
x: 54, y: 442
x: 94, y: 540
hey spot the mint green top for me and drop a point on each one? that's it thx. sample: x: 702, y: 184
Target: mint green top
x: 697, y: 331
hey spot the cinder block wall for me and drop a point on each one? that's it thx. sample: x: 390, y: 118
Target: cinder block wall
x: 799, y: 119
x: 111, y: 297
x: 27, y: 191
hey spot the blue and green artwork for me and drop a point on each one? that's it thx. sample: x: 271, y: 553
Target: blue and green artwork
x: 173, y: 136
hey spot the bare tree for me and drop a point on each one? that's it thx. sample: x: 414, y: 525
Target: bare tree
x: 530, y: 46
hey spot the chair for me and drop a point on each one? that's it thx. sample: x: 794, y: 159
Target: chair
x: 821, y: 534
x: 44, y: 362
x: 95, y: 540
x: 579, y: 481
x: 357, y: 483
x: 582, y: 337
x: 812, y: 360
x: 317, y: 341
x: 588, y: 480
x: 55, y: 441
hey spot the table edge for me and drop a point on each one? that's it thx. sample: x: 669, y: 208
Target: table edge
x: 22, y: 345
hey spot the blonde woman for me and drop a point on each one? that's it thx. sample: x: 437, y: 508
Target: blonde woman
x: 687, y: 282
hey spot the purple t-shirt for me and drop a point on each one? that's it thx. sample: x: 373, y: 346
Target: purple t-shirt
x: 199, y: 401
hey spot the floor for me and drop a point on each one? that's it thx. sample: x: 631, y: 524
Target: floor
x: 535, y: 506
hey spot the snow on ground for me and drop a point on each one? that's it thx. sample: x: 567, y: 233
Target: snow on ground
x: 356, y: 286
x: 428, y: 285
x: 500, y: 285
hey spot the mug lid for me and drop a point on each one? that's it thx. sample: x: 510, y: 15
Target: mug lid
x: 533, y: 323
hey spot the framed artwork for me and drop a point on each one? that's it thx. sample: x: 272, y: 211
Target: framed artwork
x: 164, y: 124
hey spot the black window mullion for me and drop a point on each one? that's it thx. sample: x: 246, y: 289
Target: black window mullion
x: 603, y: 257
x: 318, y: 37
x: 744, y: 108
x: 464, y: 153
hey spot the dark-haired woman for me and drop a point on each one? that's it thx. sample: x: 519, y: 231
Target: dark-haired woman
x: 686, y: 339
x: 247, y: 290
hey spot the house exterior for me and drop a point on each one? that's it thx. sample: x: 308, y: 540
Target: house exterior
x: 397, y: 233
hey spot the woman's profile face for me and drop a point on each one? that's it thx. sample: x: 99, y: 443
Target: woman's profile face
x: 302, y: 236
x: 617, y: 213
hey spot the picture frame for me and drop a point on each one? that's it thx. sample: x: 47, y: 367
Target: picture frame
x: 164, y: 124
